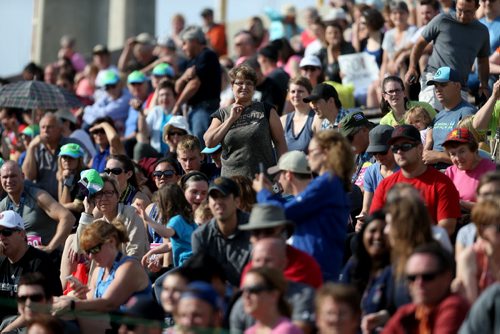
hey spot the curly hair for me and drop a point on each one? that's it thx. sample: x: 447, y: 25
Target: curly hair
x: 340, y: 158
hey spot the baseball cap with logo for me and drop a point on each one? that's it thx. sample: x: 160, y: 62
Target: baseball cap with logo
x: 405, y: 131
x: 136, y: 77
x: 293, y: 161
x: 444, y: 74
x: 71, y: 150
x: 459, y: 135
x: 351, y: 122
x: 11, y: 219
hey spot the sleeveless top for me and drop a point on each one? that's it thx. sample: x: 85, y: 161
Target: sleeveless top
x: 36, y: 221
x: 103, y: 285
x: 300, y: 141
x: 485, y: 277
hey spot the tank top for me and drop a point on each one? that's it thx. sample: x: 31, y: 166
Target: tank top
x: 103, y: 285
x: 300, y: 141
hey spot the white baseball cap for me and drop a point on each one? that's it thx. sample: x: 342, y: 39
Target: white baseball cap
x: 11, y: 219
x: 293, y: 161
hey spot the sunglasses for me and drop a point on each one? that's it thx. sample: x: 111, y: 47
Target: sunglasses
x: 426, y: 277
x: 97, y: 132
x: 265, y: 232
x: 36, y: 298
x: 403, y: 147
x: 94, y: 250
x: 256, y: 289
x: 7, y: 232
x: 163, y: 173
x: 115, y: 171
x: 177, y: 133
x: 108, y: 87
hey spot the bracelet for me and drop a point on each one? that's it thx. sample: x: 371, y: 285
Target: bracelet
x: 72, y: 305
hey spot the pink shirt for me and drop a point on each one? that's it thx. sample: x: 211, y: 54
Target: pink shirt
x: 284, y: 326
x: 466, y: 181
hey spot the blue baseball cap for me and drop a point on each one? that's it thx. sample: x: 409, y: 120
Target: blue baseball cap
x: 444, y: 74
x: 203, y: 291
x: 136, y: 77
x: 210, y: 150
x: 162, y: 70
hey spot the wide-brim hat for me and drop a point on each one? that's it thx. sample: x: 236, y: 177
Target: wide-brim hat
x: 265, y: 216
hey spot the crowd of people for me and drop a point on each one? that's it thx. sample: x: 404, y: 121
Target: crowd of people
x: 200, y: 191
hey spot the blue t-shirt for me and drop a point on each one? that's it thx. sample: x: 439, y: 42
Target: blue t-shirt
x: 181, y: 241
x: 494, y: 30
x: 373, y: 177
x: 447, y: 120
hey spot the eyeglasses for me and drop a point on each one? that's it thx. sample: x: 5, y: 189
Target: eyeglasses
x: 7, y: 232
x: 393, y: 91
x: 256, y: 289
x: 403, y: 147
x: 163, y: 173
x: 105, y: 193
x: 425, y: 277
x: 177, y: 133
x: 97, y: 132
x: 115, y: 171
x: 108, y: 87
x: 36, y: 298
x: 94, y: 250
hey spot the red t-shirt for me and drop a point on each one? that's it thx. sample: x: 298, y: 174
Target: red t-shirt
x: 438, y: 191
x: 301, y: 267
x: 447, y: 317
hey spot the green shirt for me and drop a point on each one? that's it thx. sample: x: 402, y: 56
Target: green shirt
x: 389, y: 118
x: 495, y: 118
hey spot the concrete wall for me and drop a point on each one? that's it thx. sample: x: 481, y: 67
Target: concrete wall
x: 91, y: 22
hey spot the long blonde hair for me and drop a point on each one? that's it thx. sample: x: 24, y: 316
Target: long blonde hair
x: 339, y: 155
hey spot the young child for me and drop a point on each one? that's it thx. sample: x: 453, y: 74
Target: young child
x: 420, y: 118
x: 202, y: 214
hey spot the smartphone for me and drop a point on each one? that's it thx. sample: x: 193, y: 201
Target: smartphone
x: 76, y: 282
x: 262, y: 169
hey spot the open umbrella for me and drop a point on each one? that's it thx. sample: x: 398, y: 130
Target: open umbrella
x: 36, y: 95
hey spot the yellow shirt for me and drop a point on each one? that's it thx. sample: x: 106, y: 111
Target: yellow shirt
x: 389, y: 118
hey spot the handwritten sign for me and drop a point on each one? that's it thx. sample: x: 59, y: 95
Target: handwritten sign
x: 34, y: 240
x: 359, y: 69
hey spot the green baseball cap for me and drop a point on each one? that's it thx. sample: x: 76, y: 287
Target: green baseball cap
x: 71, y: 150
x: 31, y: 130
x: 91, y: 180
x: 136, y: 77
x: 110, y: 78
x: 162, y: 70
x: 351, y: 122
